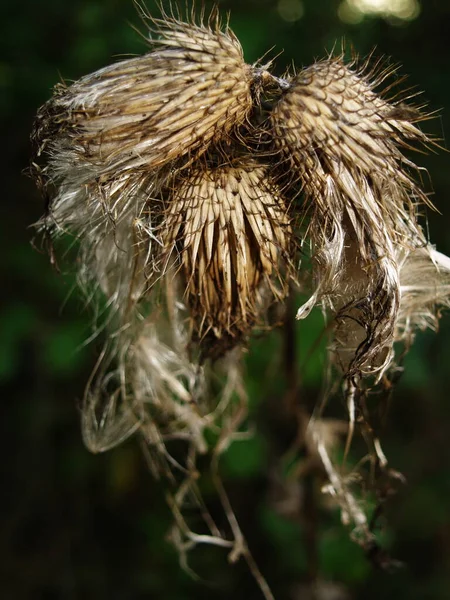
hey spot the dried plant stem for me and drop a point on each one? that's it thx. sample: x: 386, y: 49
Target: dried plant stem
x: 353, y: 513
x: 240, y: 547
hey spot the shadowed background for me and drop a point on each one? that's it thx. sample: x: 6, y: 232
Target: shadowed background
x: 78, y: 526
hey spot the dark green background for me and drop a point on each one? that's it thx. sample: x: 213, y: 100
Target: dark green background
x: 78, y: 526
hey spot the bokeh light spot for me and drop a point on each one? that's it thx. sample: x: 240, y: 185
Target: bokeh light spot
x: 290, y: 10
x: 353, y: 11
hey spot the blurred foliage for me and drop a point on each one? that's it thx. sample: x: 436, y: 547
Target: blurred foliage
x: 81, y: 526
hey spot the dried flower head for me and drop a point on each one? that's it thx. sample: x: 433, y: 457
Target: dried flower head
x: 149, y: 111
x: 229, y: 229
x: 343, y: 142
x: 194, y: 183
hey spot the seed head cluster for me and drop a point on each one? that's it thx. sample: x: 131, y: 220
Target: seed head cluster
x: 202, y: 191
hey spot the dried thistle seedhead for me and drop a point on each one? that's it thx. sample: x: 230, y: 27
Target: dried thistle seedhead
x: 332, y: 115
x: 228, y: 232
x: 343, y: 142
x: 141, y: 114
